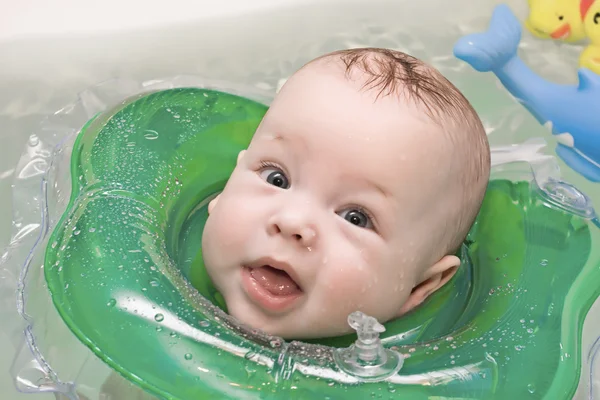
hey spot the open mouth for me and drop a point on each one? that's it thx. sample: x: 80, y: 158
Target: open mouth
x: 275, y: 281
x: 272, y: 288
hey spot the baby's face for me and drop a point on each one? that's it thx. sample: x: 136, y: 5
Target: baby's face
x: 328, y: 210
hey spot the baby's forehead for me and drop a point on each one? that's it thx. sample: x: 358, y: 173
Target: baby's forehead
x: 325, y: 85
x: 347, y: 125
x: 327, y: 70
x: 320, y: 99
x: 390, y: 153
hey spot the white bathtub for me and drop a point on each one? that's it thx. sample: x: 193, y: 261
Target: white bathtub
x: 52, y: 50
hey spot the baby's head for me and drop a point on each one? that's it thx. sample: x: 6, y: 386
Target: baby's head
x: 358, y: 187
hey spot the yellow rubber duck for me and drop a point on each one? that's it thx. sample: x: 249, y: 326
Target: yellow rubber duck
x: 590, y: 56
x: 557, y: 19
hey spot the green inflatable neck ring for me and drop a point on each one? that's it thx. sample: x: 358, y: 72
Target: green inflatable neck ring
x: 120, y: 262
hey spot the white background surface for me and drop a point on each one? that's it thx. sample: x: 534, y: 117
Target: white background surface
x: 31, y: 18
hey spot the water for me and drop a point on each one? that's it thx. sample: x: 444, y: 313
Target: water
x: 41, y: 75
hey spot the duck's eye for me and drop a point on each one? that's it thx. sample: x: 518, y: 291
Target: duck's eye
x: 597, y: 18
x: 560, y: 17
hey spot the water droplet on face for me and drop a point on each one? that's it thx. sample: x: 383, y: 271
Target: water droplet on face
x: 159, y: 317
x: 92, y: 230
x: 154, y: 283
x: 77, y: 232
x: 531, y: 388
x: 544, y: 262
x: 188, y: 356
x: 249, y: 355
x: 204, y: 324
x: 111, y: 303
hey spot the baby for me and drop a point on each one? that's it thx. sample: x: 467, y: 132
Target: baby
x: 357, y: 189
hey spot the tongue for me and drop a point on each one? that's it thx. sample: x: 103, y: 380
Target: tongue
x: 276, y: 281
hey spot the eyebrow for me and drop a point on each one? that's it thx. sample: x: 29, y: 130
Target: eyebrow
x: 279, y: 138
x: 378, y: 188
x: 296, y: 142
x: 273, y: 139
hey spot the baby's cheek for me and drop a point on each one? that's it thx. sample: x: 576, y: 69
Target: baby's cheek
x: 231, y: 219
x: 339, y: 295
x: 350, y: 286
x: 223, y: 242
x: 377, y: 292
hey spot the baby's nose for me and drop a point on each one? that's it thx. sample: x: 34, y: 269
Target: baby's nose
x: 306, y: 236
x: 295, y: 228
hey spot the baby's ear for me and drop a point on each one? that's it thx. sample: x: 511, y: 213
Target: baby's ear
x: 240, y: 155
x: 213, y: 203
x: 434, y: 278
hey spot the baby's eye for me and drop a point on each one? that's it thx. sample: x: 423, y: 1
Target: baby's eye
x: 275, y: 177
x: 357, y: 217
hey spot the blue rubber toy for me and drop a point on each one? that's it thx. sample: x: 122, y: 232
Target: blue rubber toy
x: 570, y: 111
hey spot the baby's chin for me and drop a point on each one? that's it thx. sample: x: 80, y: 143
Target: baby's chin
x: 291, y: 326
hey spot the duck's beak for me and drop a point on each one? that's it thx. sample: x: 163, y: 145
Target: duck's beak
x: 562, y: 32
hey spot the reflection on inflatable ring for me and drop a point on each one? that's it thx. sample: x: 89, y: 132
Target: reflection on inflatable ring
x: 124, y: 267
